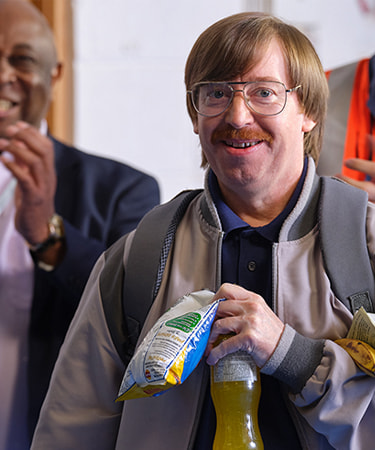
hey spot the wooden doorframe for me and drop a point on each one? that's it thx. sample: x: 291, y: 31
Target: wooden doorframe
x: 61, y: 113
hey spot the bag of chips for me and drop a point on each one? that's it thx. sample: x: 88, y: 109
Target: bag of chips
x: 172, y: 348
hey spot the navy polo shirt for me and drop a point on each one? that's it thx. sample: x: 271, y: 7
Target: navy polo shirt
x: 247, y: 261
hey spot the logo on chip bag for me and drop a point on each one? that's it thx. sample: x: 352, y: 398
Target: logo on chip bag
x: 185, y: 323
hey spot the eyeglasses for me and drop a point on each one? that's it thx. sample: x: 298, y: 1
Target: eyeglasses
x: 268, y: 98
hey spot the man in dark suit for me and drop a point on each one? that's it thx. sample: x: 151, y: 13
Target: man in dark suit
x: 59, y: 209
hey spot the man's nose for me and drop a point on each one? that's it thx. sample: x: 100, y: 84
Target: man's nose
x: 239, y: 113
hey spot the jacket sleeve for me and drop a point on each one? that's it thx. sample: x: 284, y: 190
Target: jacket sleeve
x: 329, y: 394
x: 90, y: 370
x: 338, y: 400
x: 327, y: 388
x: 73, y: 272
x: 99, y: 228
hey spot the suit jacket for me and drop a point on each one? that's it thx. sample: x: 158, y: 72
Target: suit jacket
x: 99, y: 200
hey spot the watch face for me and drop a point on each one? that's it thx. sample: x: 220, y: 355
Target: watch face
x: 56, y: 227
x: 56, y: 233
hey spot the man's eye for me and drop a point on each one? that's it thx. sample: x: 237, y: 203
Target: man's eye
x: 23, y: 62
x: 218, y: 93
x: 264, y: 93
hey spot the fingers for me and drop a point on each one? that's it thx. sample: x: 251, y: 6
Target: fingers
x: 253, y: 326
x: 32, y: 156
x: 31, y: 162
x: 366, y: 167
x: 367, y: 186
x: 231, y: 291
x: 27, y: 144
x: 362, y: 165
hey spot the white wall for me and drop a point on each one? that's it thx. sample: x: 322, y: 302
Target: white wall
x: 339, y: 29
x: 129, y: 68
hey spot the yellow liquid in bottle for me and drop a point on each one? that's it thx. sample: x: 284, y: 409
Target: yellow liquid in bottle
x: 235, y: 391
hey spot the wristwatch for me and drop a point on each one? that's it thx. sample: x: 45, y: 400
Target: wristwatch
x: 56, y: 233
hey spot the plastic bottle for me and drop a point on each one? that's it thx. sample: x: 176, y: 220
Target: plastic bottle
x: 235, y: 391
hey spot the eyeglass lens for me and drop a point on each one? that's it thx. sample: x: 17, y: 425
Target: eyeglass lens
x: 263, y: 97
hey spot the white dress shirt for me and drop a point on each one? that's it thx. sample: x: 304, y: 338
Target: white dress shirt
x: 16, y: 293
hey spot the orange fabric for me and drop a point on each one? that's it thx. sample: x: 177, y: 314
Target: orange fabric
x: 359, y: 121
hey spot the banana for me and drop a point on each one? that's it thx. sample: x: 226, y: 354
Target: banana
x: 361, y: 352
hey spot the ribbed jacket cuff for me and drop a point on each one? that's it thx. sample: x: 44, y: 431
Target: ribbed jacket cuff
x: 295, y: 359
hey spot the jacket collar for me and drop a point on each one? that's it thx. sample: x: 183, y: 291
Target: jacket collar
x: 299, y: 222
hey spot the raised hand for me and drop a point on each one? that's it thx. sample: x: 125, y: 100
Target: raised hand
x: 31, y: 162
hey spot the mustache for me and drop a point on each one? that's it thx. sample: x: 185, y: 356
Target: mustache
x: 227, y: 132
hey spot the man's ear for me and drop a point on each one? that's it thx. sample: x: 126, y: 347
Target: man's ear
x: 56, y: 73
x: 308, y: 124
x: 195, y: 126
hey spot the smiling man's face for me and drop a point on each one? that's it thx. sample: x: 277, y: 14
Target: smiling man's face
x: 252, y: 153
x: 28, y: 67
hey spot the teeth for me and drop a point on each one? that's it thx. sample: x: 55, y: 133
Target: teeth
x: 242, y: 144
x: 5, y: 105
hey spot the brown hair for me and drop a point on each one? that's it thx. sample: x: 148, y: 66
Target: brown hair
x: 235, y: 44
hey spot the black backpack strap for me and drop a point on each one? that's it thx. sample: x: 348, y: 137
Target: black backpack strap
x: 127, y: 296
x: 342, y: 219
x: 148, y: 254
x: 110, y: 285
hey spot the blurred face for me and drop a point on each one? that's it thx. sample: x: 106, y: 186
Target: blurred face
x: 27, y: 66
x: 251, y: 153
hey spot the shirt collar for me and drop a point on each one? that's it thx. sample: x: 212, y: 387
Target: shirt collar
x: 230, y: 221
